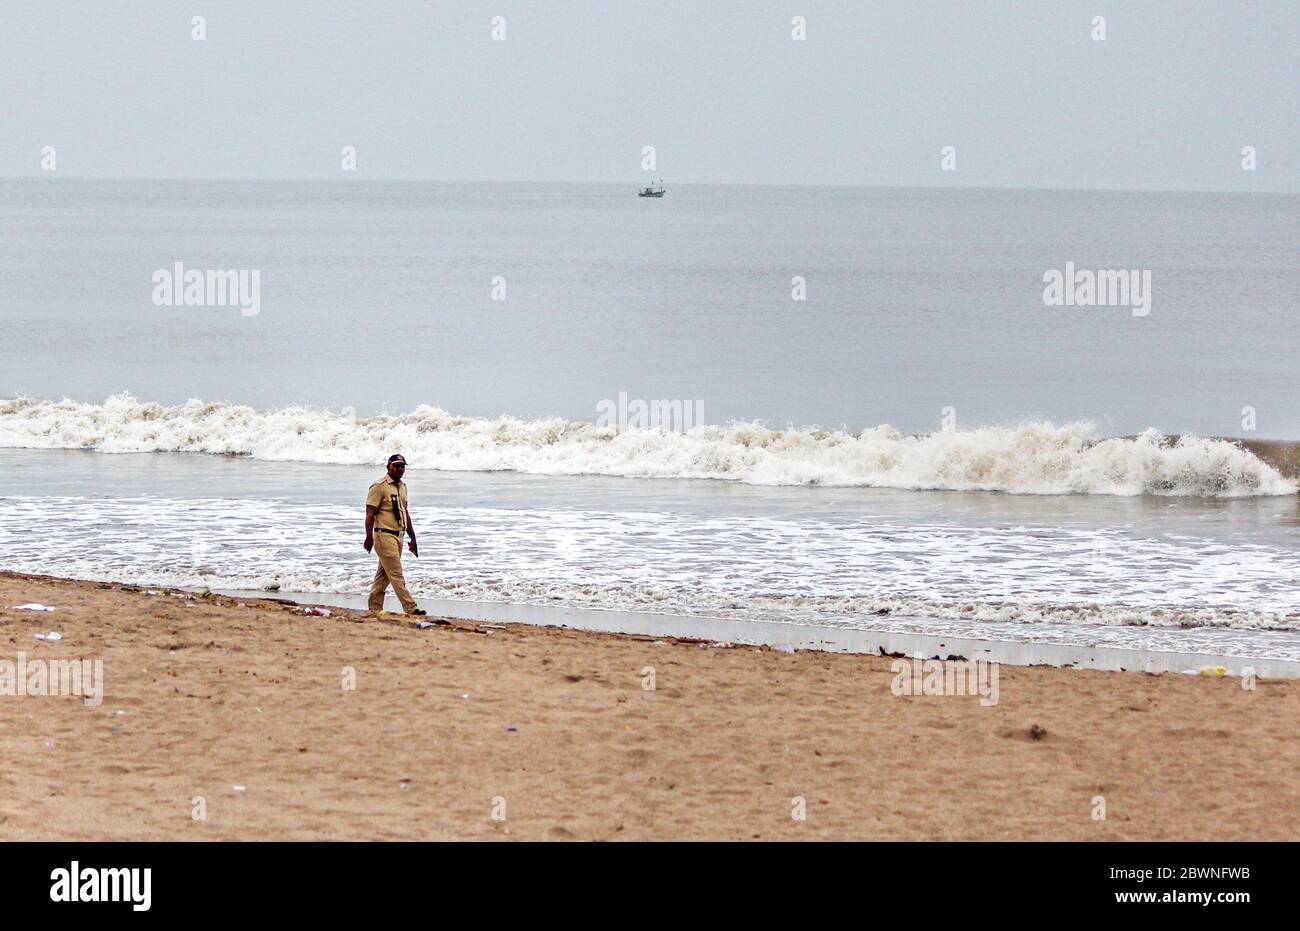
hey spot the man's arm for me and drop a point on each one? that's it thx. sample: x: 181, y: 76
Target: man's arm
x: 410, y: 531
x: 370, y: 527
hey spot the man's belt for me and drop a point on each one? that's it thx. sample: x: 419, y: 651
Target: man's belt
x: 396, y: 533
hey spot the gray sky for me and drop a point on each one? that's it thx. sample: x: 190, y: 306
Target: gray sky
x: 1020, y: 89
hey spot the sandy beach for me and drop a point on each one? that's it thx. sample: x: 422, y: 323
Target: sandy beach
x: 553, y: 732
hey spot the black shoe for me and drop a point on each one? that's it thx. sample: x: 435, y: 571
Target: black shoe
x: 419, y: 612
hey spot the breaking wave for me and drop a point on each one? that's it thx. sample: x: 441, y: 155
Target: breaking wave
x: 1032, y: 458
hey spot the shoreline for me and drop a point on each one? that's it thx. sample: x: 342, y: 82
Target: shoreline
x: 239, y: 702
x: 1103, y: 648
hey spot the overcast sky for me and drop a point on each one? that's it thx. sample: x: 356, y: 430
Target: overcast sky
x: 1021, y: 90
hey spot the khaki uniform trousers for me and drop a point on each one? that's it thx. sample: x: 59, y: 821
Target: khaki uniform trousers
x: 389, y: 550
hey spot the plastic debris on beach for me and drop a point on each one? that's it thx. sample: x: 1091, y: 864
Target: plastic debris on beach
x: 238, y: 788
x: 510, y: 728
x: 52, y: 635
x: 1214, y: 671
x: 784, y: 648
x: 423, y: 625
x: 33, y: 606
x: 315, y: 612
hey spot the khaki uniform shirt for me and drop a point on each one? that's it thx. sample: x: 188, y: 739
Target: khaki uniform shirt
x: 388, y: 498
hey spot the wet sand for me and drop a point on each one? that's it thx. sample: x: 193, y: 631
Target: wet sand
x: 553, y: 732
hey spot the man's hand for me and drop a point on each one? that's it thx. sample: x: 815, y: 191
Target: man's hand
x: 370, y: 528
x: 413, y: 546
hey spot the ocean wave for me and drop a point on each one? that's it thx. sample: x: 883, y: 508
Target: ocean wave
x: 1031, y: 458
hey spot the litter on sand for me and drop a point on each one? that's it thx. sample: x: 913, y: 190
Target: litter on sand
x: 33, y: 606
x: 315, y: 612
x: 1207, y: 671
x: 784, y: 648
x: 423, y: 625
x: 52, y: 635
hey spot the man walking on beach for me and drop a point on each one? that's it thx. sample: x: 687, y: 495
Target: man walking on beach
x: 386, y: 515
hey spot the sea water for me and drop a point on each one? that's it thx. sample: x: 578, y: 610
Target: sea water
x: 920, y: 437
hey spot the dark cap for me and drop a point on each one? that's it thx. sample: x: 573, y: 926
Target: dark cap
x: 397, y: 457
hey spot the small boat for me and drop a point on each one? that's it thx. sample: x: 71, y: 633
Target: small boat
x: 651, y: 191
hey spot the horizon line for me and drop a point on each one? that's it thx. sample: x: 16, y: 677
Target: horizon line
x: 696, y: 183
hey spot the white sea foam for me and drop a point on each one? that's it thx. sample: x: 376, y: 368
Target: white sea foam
x: 863, y: 572
x: 1031, y: 458
x: 843, y: 567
